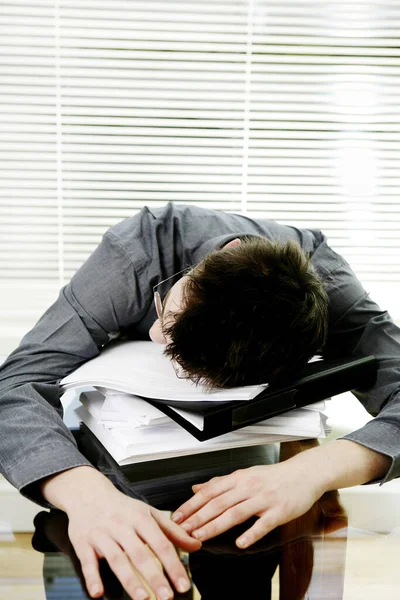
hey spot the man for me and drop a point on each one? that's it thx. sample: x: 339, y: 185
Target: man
x: 209, y: 324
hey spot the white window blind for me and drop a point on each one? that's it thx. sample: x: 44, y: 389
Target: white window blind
x: 278, y: 109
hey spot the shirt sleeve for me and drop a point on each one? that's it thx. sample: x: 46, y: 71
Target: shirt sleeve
x: 103, y: 296
x: 359, y: 327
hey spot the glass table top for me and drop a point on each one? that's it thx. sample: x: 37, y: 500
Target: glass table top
x: 320, y: 555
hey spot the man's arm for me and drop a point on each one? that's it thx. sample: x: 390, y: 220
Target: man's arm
x: 34, y: 441
x: 38, y: 455
x: 359, y: 327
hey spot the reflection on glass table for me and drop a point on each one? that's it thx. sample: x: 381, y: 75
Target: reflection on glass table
x: 302, y: 549
x: 313, y: 557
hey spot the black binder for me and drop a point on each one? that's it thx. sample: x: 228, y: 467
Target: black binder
x: 319, y: 380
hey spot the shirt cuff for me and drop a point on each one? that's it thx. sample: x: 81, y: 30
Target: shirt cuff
x: 383, y: 438
x: 27, y: 474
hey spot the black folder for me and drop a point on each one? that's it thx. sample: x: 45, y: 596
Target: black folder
x: 319, y: 380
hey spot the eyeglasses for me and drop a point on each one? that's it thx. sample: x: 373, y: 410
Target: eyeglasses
x: 159, y: 305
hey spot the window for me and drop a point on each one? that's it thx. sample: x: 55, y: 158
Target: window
x: 280, y: 109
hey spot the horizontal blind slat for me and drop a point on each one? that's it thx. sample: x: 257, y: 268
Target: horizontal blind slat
x: 167, y: 101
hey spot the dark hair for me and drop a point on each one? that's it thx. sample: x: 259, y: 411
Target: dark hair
x: 252, y: 314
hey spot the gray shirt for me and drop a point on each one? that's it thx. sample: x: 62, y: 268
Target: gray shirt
x: 112, y: 292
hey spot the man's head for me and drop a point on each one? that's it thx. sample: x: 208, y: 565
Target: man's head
x: 252, y: 312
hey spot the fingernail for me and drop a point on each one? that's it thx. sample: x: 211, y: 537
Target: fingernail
x: 176, y: 517
x: 186, y: 526
x: 242, y: 542
x: 183, y: 585
x: 164, y: 593
x: 141, y: 594
x: 95, y: 590
x: 199, y: 534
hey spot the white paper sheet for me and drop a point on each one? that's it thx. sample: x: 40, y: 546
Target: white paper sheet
x: 141, y: 368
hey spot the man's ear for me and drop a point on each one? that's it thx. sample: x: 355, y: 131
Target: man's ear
x: 232, y: 243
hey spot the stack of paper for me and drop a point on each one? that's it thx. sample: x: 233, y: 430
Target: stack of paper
x: 132, y: 430
x: 160, y: 437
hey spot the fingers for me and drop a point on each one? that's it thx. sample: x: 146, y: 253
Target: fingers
x: 197, y: 487
x: 239, y: 513
x: 132, y: 552
x: 213, y: 509
x: 261, y: 527
x: 207, y: 492
x: 124, y: 549
x: 175, y: 533
x: 90, y: 569
x: 229, y: 518
x: 136, y: 541
x: 167, y: 554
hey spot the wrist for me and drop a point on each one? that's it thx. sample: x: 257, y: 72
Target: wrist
x: 342, y: 463
x: 75, y: 487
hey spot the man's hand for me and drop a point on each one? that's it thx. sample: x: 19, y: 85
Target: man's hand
x: 274, y: 493
x: 104, y: 523
x: 277, y: 493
